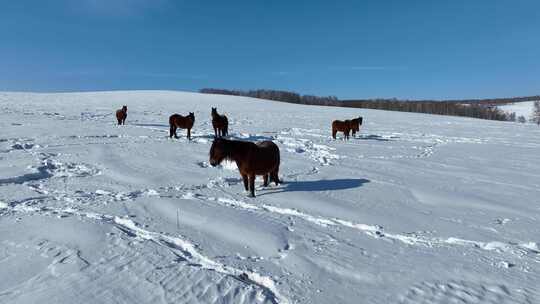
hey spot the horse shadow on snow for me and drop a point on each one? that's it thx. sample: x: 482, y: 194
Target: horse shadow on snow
x: 375, y: 137
x: 318, y: 185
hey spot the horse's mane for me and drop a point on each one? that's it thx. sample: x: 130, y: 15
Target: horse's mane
x: 232, y: 145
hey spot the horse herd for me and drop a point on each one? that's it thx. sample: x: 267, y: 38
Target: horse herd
x: 252, y: 159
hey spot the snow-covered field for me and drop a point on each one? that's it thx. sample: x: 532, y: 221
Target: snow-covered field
x: 524, y: 108
x: 416, y: 209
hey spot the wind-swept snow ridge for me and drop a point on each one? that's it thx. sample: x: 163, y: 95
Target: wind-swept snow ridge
x: 191, y: 253
x: 187, y: 249
x: 378, y: 232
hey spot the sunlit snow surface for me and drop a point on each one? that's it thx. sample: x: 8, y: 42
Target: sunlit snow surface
x: 415, y: 209
x: 524, y: 108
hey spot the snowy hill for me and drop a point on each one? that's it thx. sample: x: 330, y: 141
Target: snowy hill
x: 524, y: 108
x: 416, y: 209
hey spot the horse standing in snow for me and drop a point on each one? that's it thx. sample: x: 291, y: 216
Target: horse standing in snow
x: 183, y: 122
x: 355, y: 125
x: 341, y: 126
x: 220, y: 123
x: 251, y: 159
x: 121, y: 115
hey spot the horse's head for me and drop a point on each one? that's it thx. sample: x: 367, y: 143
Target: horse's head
x: 218, y: 151
x: 214, y: 111
x: 124, y: 109
x: 355, y: 125
x: 192, y: 116
x: 360, y: 120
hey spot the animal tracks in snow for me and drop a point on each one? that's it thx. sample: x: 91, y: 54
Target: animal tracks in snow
x: 518, y: 249
x: 51, y: 168
x: 182, y: 247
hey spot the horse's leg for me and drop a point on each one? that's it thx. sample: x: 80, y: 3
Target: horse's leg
x: 245, y: 178
x: 334, y: 131
x: 175, y: 135
x: 252, y: 185
x: 171, y: 131
x: 189, y: 134
x: 265, y: 178
x: 275, y: 177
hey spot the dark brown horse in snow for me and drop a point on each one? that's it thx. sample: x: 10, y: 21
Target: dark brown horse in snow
x: 251, y: 159
x: 355, y: 125
x: 341, y: 126
x: 183, y: 122
x: 121, y: 115
x: 220, y: 123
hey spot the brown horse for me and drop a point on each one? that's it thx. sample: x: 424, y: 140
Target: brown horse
x: 341, y: 126
x: 182, y: 122
x: 121, y: 115
x: 355, y: 125
x: 220, y: 123
x: 251, y: 159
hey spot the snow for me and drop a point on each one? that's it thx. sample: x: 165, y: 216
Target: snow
x: 416, y: 209
x: 524, y: 108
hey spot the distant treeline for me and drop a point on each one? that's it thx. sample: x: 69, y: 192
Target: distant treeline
x: 476, y: 108
x: 278, y: 96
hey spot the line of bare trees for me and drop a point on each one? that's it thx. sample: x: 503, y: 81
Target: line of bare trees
x: 277, y: 95
x: 476, y: 108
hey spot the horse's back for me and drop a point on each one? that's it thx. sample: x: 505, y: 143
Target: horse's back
x: 269, y: 151
x: 184, y: 122
x: 268, y: 144
x: 340, y: 124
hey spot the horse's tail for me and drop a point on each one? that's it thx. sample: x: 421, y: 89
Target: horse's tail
x: 274, y: 175
x: 172, y: 119
x: 225, y: 126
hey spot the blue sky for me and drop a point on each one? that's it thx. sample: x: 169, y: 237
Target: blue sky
x: 392, y: 48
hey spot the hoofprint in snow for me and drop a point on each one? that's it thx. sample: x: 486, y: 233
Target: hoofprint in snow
x: 415, y: 209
